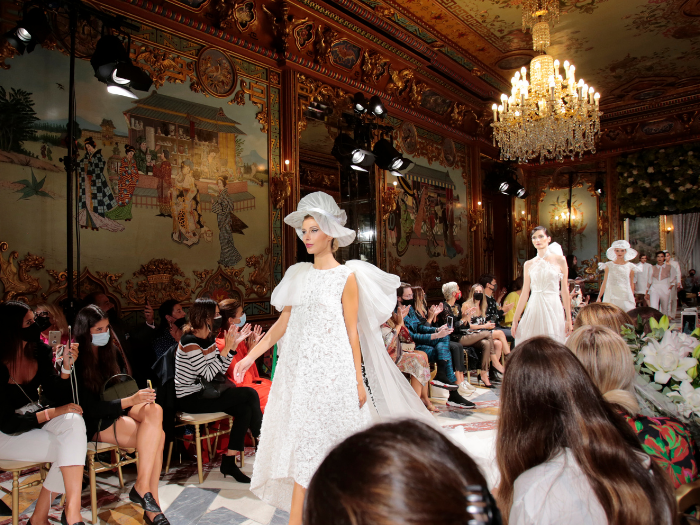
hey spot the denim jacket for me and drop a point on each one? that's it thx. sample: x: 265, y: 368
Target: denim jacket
x: 419, y: 331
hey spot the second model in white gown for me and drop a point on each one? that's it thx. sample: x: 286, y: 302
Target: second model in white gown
x: 544, y: 314
x: 313, y: 403
x: 618, y: 290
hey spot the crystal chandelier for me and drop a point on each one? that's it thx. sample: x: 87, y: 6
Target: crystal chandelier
x: 549, y: 116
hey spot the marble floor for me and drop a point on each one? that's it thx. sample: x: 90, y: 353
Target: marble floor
x: 219, y: 501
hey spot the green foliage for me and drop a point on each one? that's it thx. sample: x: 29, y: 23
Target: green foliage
x: 32, y: 188
x: 660, y: 181
x: 17, y: 117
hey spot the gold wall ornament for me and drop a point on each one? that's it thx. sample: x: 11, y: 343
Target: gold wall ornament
x: 281, y: 188
x: 426, y: 277
x: 374, y: 67
x: 160, y: 281
x: 476, y: 217
x: 400, y: 81
x: 325, y: 36
x: 429, y: 150
x: 416, y: 94
x: 282, y: 24
x: 685, y: 118
x: 161, y: 65
x: 388, y: 201
x: 259, y: 278
x: 310, y: 90
x: 6, y: 52
x: 382, y: 10
x: 235, y: 274
x: 519, y: 223
x: 257, y: 92
x: 229, y: 13
x: 18, y: 285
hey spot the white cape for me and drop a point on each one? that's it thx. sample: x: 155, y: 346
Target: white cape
x: 393, y: 396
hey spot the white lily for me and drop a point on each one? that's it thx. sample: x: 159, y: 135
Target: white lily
x: 681, y: 343
x: 666, y: 362
x: 689, y: 397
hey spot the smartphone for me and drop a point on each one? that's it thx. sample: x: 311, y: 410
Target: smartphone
x: 449, y: 322
x: 577, y: 288
x: 149, y: 384
x: 54, y: 337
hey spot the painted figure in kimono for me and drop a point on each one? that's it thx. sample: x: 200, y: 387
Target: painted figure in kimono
x: 185, y: 205
x: 128, y: 178
x: 228, y: 223
x: 95, y: 195
x: 163, y: 172
x: 143, y: 157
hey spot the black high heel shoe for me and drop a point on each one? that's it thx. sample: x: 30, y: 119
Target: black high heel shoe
x: 64, y: 520
x: 228, y: 466
x: 147, y: 502
x: 482, y: 382
x: 160, y: 519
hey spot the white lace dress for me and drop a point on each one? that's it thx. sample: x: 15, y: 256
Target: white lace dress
x: 313, y: 403
x: 544, y: 314
x: 617, y: 289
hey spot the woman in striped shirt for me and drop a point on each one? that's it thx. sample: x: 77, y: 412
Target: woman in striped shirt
x: 198, y: 358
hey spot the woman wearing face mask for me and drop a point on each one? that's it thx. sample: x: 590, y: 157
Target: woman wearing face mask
x: 131, y: 422
x: 473, y: 317
x: 232, y: 315
x: 197, y: 357
x: 28, y: 432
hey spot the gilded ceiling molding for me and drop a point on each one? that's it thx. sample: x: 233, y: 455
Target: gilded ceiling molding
x: 311, y: 90
x: 374, y: 67
x: 282, y: 24
x: 163, y: 66
x: 325, y: 36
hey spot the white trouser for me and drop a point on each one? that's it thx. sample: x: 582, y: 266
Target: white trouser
x: 659, y: 293
x: 62, y: 442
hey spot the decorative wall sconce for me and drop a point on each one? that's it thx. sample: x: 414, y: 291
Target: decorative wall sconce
x: 281, y: 186
x: 388, y: 202
x: 476, y: 217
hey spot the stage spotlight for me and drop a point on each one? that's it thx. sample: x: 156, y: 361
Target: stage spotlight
x: 504, y: 187
x: 113, y: 66
x: 388, y: 158
x: 359, y: 104
x: 376, y: 106
x: 522, y: 193
x: 348, y: 152
x: 30, y: 31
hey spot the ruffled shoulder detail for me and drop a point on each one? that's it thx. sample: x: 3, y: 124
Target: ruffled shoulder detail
x: 555, y: 249
x: 377, y: 290
x: 288, y: 291
x: 602, y: 266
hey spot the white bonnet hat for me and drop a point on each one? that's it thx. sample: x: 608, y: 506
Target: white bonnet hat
x: 330, y: 218
x: 631, y: 252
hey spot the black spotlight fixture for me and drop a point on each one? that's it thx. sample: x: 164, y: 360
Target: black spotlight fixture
x: 522, y: 193
x: 113, y: 66
x: 599, y: 187
x: 30, y: 31
x: 349, y: 153
x: 359, y: 104
x: 388, y: 158
x: 376, y: 107
x: 506, y: 185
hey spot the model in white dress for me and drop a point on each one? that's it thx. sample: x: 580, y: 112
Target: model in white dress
x: 618, y: 283
x: 330, y: 313
x: 546, y: 293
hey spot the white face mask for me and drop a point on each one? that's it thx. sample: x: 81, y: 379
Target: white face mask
x: 100, y: 339
x: 240, y: 323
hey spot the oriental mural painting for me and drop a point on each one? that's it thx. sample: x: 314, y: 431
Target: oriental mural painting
x: 172, y: 174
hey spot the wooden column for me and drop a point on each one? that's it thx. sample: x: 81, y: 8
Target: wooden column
x: 476, y: 197
x: 289, y: 138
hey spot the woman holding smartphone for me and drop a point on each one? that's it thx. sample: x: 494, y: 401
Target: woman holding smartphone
x: 131, y: 422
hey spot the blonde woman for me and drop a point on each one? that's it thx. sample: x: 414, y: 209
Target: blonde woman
x: 421, y: 306
x: 608, y: 360
x: 603, y: 314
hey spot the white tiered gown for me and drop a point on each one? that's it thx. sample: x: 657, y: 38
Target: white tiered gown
x: 618, y: 290
x: 544, y: 314
x: 313, y: 403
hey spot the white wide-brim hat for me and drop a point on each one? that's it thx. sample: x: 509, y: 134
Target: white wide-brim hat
x: 330, y: 218
x: 631, y: 252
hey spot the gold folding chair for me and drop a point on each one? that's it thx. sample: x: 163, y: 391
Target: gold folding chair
x: 16, y: 467
x: 94, y: 467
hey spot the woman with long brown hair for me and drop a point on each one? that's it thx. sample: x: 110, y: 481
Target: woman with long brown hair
x: 132, y: 422
x: 565, y: 456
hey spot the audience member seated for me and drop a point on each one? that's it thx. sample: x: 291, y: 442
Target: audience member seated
x: 691, y: 284
x: 57, y: 319
x: 607, y: 359
x: 474, y: 312
x: 425, y: 314
x: 403, y: 351
x: 512, y: 298
x: 564, y: 455
x: 28, y: 432
x: 199, y: 361
x: 172, y: 319
x: 435, y: 342
x: 131, y: 422
x: 495, y: 313
x: 463, y: 335
x: 400, y: 473
x: 644, y: 313
x: 603, y: 314
x: 137, y: 343
x: 232, y: 314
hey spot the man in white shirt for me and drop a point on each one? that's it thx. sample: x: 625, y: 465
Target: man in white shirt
x: 641, y: 278
x: 676, y: 279
x: 660, y: 284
